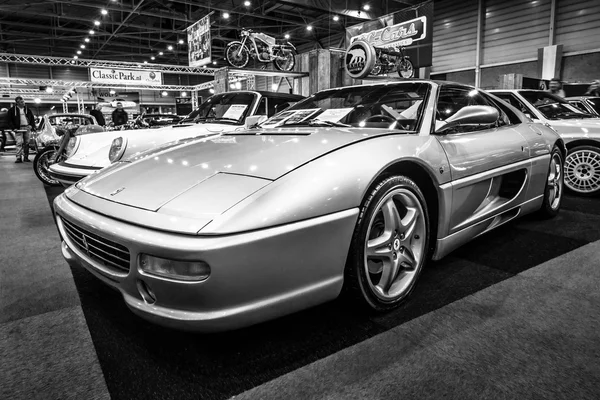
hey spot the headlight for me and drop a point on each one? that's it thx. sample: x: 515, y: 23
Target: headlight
x: 181, y: 270
x: 117, y: 148
x: 72, y: 146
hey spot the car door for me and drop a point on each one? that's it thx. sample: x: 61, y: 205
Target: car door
x: 489, y: 164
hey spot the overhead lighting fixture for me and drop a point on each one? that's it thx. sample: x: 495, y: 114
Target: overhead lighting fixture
x: 153, y: 58
x: 78, y: 51
x: 145, y: 62
x: 103, y: 12
x: 181, y: 41
x: 49, y: 89
x: 287, y: 36
x: 211, y: 91
x: 112, y: 91
x: 160, y: 53
x: 247, y: 3
x: 37, y: 100
x: 274, y: 87
x: 309, y: 28
x: 92, y: 32
x: 82, y: 46
x: 170, y: 47
x: 366, y: 7
x: 164, y: 93
x: 183, y: 94
x: 97, y: 23
x: 336, y: 18
x: 87, y: 40
x: 75, y: 57
x: 214, y: 63
x: 226, y: 15
x: 238, y: 85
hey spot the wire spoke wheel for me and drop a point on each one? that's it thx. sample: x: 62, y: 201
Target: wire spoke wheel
x: 582, y: 170
x: 406, y: 69
x: 41, y: 165
x: 395, y: 245
x: 237, y: 55
x: 286, y: 62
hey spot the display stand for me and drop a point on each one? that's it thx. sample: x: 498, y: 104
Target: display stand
x: 255, y: 79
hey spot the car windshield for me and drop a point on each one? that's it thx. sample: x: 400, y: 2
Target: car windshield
x: 552, y: 106
x: 397, y: 106
x: 68, y: 119
x: 229, y: 108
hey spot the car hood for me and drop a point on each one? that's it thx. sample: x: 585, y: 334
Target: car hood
x: 186, y: 173
x: 583, y: 128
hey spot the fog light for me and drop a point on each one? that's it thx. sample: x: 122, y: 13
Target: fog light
x: 181, y: 270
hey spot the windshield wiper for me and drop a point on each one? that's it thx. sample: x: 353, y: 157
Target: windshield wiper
x: 318, y: 122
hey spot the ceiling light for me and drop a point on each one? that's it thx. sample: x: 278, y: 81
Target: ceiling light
x: 86, y: 40
x: 82, y: 46
x: 226, y: 15
x: 164, y: 93
x: 180, y: 41
x: 247, y: 3
x: 170, y: 47
x: 78, y: 51
x: 183, y: 94
x: 214, y: 63
x: 336, y: 18
x: 112, y: 91
x: 231, y: 86
x: 153, y: 58
x: 97, y: 23
x: 366, y: 7
x: 49, y: 89
x: 92, y: 32
x: 75, y: 57
x: 160, y: 53
x: 287, y: 36
x: 37, y: 100
x: 211, y: 90
x: 103, y: 12
x: 145, y: 62
x: 309, y: 28
x: 274, y: 87
x: 238, y: 85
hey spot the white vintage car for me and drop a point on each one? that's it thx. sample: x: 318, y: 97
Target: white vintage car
x: 219, y: 113
x: 579, y: 130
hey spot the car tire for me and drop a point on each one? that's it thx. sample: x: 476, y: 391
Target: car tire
x: 390, y: 245
x: 40, y: 166
x: 582, y: 170
x: 554, y: 188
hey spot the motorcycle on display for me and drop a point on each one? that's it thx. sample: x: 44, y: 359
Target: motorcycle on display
x: 54, y: 151
x: 263, y: 48
x: 374, y: 61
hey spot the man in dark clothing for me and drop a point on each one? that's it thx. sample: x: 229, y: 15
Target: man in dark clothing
x: 3, y: 127
x: 119, y: 116
x: 22, y: 122
x: 98, y: 115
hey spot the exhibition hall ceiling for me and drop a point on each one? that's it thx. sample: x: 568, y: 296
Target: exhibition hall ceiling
x: 154, y: 31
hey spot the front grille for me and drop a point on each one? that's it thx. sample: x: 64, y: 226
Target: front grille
x: 106, y: 252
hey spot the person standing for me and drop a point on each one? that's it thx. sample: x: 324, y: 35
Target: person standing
x: 555, y: 87
x: 22, y: 122
x: 3, y: 127
x: 96, y: 113
x: 119, y: 116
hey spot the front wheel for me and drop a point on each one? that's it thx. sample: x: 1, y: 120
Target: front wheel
x: 406, y: 69
x: 582, y: 170
x: 389, y: 245
x: 287, y: 60
x: 41, y: 164
x: 237, y: 55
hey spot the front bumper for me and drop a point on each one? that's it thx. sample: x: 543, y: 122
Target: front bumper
x: 255, y: 276
x: 69, y: 174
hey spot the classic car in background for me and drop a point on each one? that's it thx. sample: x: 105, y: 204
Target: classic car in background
x: 352, y: 189
x: 154, y: 120
x: 579, y: 130
x: 54, y: 144
x: 588, y: 104
x: 219, y: 113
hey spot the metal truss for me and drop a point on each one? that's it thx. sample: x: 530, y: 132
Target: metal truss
x: 47, y: 60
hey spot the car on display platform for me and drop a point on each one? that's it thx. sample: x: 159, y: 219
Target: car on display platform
x: 588, y: 104
x: 219, y: 113
x: 579, y: 130
x: 351, y: 191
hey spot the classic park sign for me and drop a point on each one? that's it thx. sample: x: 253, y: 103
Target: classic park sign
x: 125, y: 76
x: 402, y: 34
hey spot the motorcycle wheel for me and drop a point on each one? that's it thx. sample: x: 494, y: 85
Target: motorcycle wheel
x: 237, y: 55
x: 41, y: 166
x: 406, y: 69
x: 286, y: 64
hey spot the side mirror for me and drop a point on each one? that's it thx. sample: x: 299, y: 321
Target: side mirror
x: 471, y: 115
x: 253, y: 120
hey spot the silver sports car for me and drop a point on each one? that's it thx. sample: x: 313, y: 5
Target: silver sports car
x: 351, y: 190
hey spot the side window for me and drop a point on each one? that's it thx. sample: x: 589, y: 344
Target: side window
x: 262, y: 107
x: 507, y: 116
x: 513, y: 101
x: 454, y: 98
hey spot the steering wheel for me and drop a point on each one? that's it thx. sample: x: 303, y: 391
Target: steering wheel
x: 380, y: 118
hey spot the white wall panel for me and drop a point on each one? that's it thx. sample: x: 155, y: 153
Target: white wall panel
x: 514, y: 29
x: 578, y: 25
x: 454, y: 34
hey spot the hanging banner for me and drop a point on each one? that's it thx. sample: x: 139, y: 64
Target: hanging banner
x: 125, y: 76
x: 199, y: 43
x: 411, y: 28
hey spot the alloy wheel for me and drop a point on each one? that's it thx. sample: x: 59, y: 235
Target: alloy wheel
x: 555, y: 181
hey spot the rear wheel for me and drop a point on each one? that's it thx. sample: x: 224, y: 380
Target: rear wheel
x: 406, y: 69
x: 582, y: 170
x: 287, y: 62
x: 237, y: 55
x: 41, y: 164
x: 389, y: 245
x: 554, y: 186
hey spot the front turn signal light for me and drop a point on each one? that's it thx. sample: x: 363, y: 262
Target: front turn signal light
x: 174, y: 269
